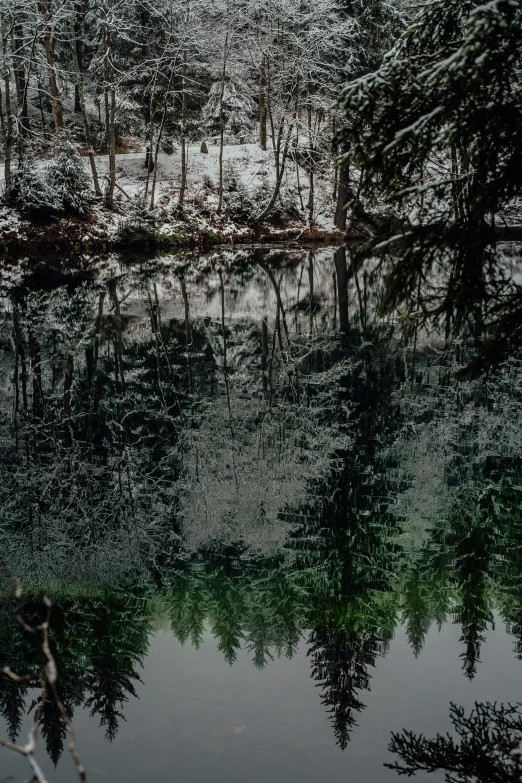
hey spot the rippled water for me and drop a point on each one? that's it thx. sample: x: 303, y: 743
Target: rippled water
x: 273, y: 531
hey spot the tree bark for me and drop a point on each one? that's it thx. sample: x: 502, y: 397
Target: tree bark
x: 111, y: 116
x: 281, y: 159
x: 183, y: 184
x: 262, y: 106
x: 310, y: 170
x: 343, y: 194
x: 81, y: 96
x: 222, y: 126
x: 8, y: 142
x: 48, y: 44
x: 20, y: 80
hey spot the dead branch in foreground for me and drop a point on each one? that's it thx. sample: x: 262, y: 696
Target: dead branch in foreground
x: 48, y: 676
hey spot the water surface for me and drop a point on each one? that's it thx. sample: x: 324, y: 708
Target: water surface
x: 274, y: 531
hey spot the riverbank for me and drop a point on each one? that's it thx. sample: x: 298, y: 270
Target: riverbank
x: 101, y: 231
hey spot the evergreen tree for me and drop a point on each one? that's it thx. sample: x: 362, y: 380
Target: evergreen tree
x: 69, y: 181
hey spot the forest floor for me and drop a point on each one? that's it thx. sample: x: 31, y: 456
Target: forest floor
x: 248, y: 173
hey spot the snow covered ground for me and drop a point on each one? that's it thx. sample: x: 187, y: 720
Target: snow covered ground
x: 247, y: 163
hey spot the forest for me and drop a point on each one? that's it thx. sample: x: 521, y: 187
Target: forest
x: 368, y: 116
x: 260, y: 390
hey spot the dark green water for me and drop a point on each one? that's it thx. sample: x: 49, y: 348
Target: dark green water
x: 274, y: 533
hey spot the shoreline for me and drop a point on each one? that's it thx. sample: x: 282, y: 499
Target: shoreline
x: 98, y: 233
x: 91, y: 235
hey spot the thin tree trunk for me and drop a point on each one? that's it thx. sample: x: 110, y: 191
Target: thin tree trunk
x: 310, y: 170
x: 8, y: 142
x: 311, y: 291
x: 262, y: 106
x: 282, y: 162
x: 343, y: 193
x: 154, y: 162
x: 2, y: 118
x: 20, y: 79
x: 107, y: 115
x: 221, y: 126
x: 111, y: 105
x: 118, y: 343
x: 19, y: 342
x: 40, y: 103
x: 81, y: 98
x: 78, y: 24
x: 36, y: 369
x: 48, y: 44
x: 183, y: 184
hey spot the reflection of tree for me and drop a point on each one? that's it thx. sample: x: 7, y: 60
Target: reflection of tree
x: 320, y: 484
x: 488, y: 749
x: 98, y: 643
x: 340, y: 663
x: 110, y: 688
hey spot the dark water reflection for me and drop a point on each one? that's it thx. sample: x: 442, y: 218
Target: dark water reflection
x: 274, y: 529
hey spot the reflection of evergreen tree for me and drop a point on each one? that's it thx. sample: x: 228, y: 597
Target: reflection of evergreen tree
x: 110, y: 687
x: 467, y: 537
x: 12, y: 705
x: 488, y: 736
x: 257, y: 502
x: 97, y: 644
x: 340, y: 663
x: 417, y: 610
x: 54, y: 732
x: 13, y: 653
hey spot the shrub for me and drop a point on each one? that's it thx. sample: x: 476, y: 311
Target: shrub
x: 70, y: 182
x: 239, y: 206
x: 140, y: 225
x: 31, y: 193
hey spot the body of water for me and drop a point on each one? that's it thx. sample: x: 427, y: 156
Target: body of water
x: 274, y: 531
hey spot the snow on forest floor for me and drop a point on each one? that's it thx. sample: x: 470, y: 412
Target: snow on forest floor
x: 247, y: 163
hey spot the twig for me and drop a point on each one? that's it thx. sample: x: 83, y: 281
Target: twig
x: 48, y: 677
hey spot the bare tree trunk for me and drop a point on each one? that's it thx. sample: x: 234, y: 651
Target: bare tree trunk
x: 334, y: 152
x: 40, y: 103
x: 310, y: 170
x: 343, y: 192
x: 8, y: 142
x: 154, y: 162
x: 77, y: 24
x: 48, y: 43
x: 183, y: 184
x: 19, y: 343
x: 311, y: 291
x: 262, y: 105
x: 279, y: 179
x: 149, y: 154
x: 20, y: 79
x: 36, y: 369
x: 2, y: 118
x: 107, y: 115
x: 81, y: 98
x: 111, y: 101
x: 188, y: 334
x: 221, y: 125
